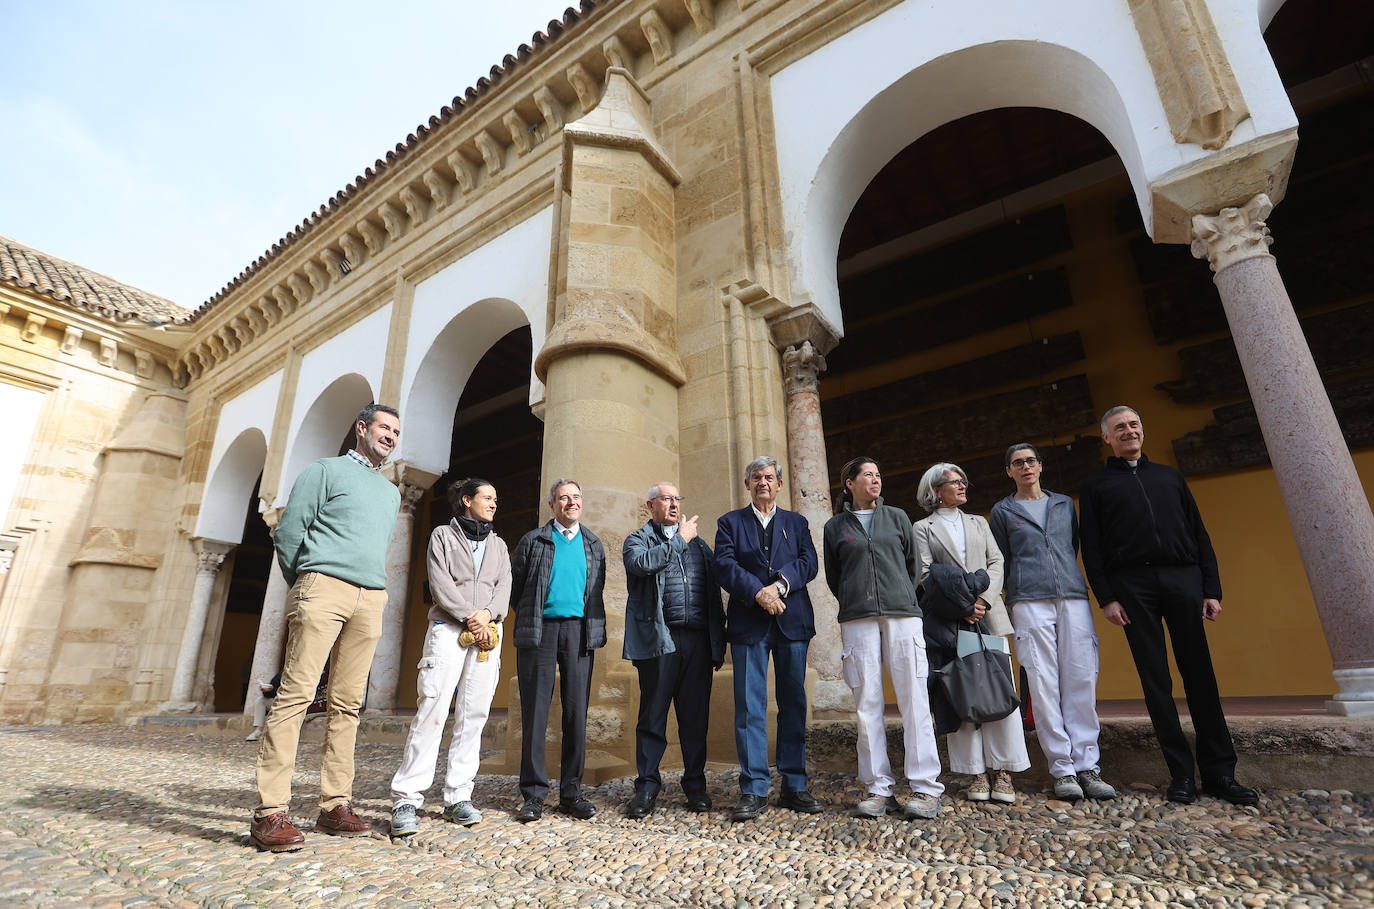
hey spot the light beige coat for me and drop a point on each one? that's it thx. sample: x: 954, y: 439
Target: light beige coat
x: 937, y: 546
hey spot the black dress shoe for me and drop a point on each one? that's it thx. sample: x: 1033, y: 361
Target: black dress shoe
x: 698, y: 802
x: 579, y: 808
x: 532, y: 810
x: 1226, y: 787
x: 642, y: 805
x: 1182, y: 790
x: 800, y: 800
x: 748, y: 807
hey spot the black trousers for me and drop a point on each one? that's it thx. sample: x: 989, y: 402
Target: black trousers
x: 561, y: 649
x: 683, y: 679
x: 1172, y: 595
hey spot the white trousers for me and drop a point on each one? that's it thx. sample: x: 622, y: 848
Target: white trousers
x: 897, y: 642
x: 1057, y: 645
x: 446, y: 670
x: 1000, y: 745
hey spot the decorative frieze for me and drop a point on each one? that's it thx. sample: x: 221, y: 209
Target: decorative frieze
x: 492, y: 152
x: 519, y: 132
x: 703, y: 14
x: 391, y: 219
x: 414, y: 205
x: 588, y: 92
x: 550, y: 108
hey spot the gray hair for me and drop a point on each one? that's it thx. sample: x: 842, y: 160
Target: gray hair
x: 562, y: 481
x: 927, y: 493
x: 1120, y: 408
x: 655, y: 490
x: 760, y: 463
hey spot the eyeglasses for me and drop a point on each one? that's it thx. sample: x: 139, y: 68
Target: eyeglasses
x: 963, y: 483
x: 678, y: 499
x: 1025, y: 462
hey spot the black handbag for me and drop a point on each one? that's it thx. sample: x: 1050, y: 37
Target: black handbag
x: 979, y: 686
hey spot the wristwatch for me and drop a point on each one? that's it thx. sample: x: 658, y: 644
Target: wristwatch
x: 782, y: 588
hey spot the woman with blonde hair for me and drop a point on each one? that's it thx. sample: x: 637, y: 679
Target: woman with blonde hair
x: 950, y: 537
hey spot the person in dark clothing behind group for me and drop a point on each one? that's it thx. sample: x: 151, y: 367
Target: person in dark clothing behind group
x: 675, y: 635
x: 1150, y: 562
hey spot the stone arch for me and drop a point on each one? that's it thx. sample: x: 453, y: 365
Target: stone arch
x: 324, y: 426
x: 432, y: 398
x: 1266, y: 10
x: 231, y: 481
x: 891, y: 110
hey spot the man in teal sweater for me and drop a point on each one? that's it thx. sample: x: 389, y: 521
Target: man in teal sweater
x: 331, y: 545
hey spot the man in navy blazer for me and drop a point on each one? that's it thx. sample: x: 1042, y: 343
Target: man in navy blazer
x: 764, y: 559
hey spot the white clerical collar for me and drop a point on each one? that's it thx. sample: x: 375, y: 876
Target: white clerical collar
x: 1134, y: 463
x: 568, y: 532
x: 764, y: 519
x: 666, y: 529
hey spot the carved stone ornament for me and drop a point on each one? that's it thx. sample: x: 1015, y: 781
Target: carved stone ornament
x: 703, y: 14
x: 1233, y: 234
x: 582, y: 82
x: 71, y: 340
x: 410, y: 497
x: 463, y: 171
x: 657, y: 33
x: 109, y: 352
x: 519, y: 132
x: 492, y: 151
x: 353, y: 249
x: 1199, y: 91
x: 801, y: 369
x: 616, y: 54
x: 391, y: 218
x: 318, y: 277
x: 414, y: 205
x: 550, y: 108
x: 438, y: 189
x: 33, y: 328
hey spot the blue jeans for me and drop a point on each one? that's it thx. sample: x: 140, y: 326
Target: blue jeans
x: 751, y: 711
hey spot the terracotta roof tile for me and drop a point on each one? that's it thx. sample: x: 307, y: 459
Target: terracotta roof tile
x: 70, y: 283
x: 541, y: 40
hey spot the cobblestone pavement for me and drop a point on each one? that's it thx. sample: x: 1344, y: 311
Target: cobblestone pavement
x: 115, y: 816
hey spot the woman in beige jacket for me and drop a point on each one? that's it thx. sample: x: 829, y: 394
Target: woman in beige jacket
x: 950, y: 537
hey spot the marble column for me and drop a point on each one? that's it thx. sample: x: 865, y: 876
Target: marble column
x: 209, y: 557
x: 802, y: 336
x: 271, y: 642
x: 1321, y: 490
x: 385, y: 676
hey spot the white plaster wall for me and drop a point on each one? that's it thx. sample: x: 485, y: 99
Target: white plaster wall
x: 360, y: 349
x: 225, y: 499
x: 21, y: 407
x: 845, y: 110
x: 456, y: 315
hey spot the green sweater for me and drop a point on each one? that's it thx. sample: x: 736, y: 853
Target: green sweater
x: 338, y: 521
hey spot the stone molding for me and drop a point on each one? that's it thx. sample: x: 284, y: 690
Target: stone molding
x: 805, y: 324
x: 1233, y: 234
x: 621, y: 119
x: 410, y: 480
x: 1200, y: 94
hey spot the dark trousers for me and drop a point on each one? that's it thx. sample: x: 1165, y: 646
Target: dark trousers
x: 683, y: 679
x: 1172, y: 595
x: 561, y: 649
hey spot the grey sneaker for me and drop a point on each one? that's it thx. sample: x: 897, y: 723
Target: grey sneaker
x: 403, y: 821
x: 462, y: 813
x: 877, y: 806
x: 921, y: 805
x: 1094, y: 787
x: 1066, y: 787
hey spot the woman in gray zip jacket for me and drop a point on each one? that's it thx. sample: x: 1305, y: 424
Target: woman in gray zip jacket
x: 871, y: 565
x: 1037, y: 532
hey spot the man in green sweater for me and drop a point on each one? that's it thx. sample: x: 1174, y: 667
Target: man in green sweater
x: 331, y: 545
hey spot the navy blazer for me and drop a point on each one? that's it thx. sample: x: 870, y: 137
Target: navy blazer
x: 742, y: 569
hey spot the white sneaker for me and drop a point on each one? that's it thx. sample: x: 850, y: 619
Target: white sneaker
x: 978, y: 789
x: 254, y: 735
x: 1002, y: 789
x: 1066, y: 787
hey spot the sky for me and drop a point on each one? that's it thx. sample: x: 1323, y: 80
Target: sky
x: 169, y: 144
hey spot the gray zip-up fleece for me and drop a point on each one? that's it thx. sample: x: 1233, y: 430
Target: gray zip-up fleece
x: 874, y: 573
x: 1041, y: 562
x: 457, y: 593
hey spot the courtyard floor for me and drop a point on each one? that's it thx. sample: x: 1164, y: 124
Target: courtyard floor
x: 119, y: 816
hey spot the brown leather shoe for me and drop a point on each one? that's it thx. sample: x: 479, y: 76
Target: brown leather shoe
x: 274, y: 833
x: 342, y: 822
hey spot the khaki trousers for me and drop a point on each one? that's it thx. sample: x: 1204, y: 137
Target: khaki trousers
x: 327, y: 619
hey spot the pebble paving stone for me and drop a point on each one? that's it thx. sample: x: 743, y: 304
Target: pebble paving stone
x: 117, y: 816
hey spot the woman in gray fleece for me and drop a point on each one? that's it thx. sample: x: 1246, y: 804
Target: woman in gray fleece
x: 871, y: 565
x: 469, y: 576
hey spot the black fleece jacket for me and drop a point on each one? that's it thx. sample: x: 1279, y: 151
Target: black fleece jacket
x: 1141, y: 517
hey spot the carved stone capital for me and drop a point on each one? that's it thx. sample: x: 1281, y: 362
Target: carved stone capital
x: 410, y: 497
x: 410, y: 480
x: 1233, y: 234
x: 795, y: 325
x: 802, y: 366
x: 210, y: 554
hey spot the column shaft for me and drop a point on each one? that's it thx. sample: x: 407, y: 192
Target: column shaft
x: 1321, y: 489
x: 209, y: 556
x: 384, y: 680
x: 267, y: 652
